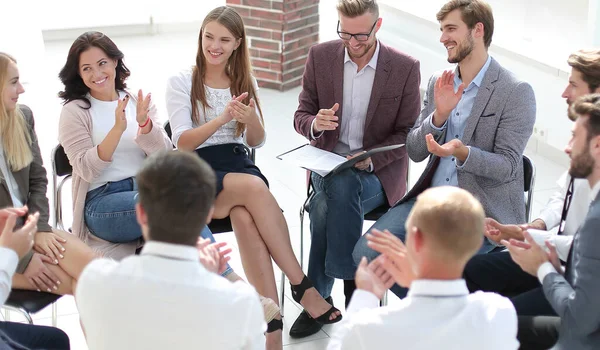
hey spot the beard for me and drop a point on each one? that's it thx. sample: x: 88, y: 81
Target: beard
x: 582, y: 164
x: 361, y: 53
x: 464, y: 49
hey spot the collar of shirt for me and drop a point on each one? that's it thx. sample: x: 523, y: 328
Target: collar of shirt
x: 170, y: 251
x: 478, y: 78
x: 438, y: 288
x: 594, y: 192
x: 372, y: 63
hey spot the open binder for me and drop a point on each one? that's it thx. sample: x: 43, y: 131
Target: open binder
x: 327, y: 163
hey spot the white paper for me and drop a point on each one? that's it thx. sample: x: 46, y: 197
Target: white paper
x: 313, y: 159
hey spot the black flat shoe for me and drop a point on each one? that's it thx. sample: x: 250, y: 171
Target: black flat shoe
x: 305, y: 325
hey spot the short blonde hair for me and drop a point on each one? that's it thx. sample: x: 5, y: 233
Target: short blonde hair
x: 452, y: 219
x: 355, y: 8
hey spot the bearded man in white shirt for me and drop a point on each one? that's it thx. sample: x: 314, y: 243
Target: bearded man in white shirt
x: 170, y: 296
x: 444, y: 230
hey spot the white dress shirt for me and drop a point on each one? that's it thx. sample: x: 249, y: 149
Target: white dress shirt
x: 179, y: 108
x: 434, y: 315
x: 8, y: 266
x: 552, y: 213
x: 547, y: 268
x: 165, y: 299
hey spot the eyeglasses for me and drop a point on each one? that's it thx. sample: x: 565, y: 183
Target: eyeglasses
x: 566, y: 205
x: 358, y: 37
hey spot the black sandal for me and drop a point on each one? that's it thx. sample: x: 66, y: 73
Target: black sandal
x: 274, y: 325
x: 298, y: 292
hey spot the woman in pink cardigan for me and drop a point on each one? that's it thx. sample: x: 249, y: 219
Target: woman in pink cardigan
x: 106, y: 133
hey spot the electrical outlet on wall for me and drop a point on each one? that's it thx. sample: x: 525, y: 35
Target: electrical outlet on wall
x: 540, y: 133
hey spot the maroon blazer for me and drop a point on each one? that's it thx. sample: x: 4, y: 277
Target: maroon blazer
x: 393, y: 108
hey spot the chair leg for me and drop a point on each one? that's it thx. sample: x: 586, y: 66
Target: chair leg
x: 54, y: 314
x: 384, y: 300
x: 25, y: 314
x: 282, y: 297
x: 302, y: 238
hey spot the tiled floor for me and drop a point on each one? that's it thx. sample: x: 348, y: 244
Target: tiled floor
x: 152, y: 59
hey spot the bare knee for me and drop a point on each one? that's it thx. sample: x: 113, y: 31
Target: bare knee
x: 241, y: 217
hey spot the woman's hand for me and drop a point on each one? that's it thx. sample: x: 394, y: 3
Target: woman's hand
x: 242, y: 113
x: 120, y: 117
x: 39, y: 276
x: 49, y: 244
x: 143, y: 107
x: 227, y: 115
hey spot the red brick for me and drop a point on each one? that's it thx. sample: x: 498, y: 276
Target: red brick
x: 275, y: 25
x: 296, y: 34
x: 242, y: 11
x: 261, y: 14
x: 276, y: 66
x: 294, y: 5
x: 258, y: 63
x: 277, y: 5
x: 269, y: 45
x: 293, y: 74
x: 290, y: 85
x: 295, y: 63
x: 259, y: 33
x: 269, y: 55
x: 254, y: 52
x: 292, y: 55
x: 300, y: 23
x: 251, y: 22
x: 261, y: 4
x: 267, y: 75
x: 234, y: 2
x: 269, y: 85
x: 276, y: 35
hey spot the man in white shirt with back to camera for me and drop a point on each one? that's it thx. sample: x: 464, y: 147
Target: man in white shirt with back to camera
x: 444, y: 230
x: 170, y: 296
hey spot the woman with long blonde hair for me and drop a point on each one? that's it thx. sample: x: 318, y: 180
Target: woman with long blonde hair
x: 214, y: 111
x: 58, y: 257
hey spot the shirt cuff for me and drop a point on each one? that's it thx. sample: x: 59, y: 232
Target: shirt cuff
x: 435, y: 127
x: 370, y: 167
x: 362, y: 299
x: 544, y: 270
x: 312, y: 135
x: 456, y: 161
x: 8, y: 261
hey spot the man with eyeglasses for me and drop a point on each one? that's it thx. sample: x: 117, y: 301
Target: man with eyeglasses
x: 559, y: 220
x: 474, y: 125
x: 357, y: 94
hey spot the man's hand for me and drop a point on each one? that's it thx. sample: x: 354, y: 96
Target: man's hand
x: 372, y: 277
x: 363, y: 164
x: 20, y: 240
x: 528, y: 255
x: 211, y: 256
x: 6, y: 212
x: 326, y: 119
x: 445, y: 98
x: 38, y: 274
x: 50, y: 244
x: 395, y: 260
x: 553, y: 257
x: 454, y: 147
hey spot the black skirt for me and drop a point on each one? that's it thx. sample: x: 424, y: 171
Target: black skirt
x: 229, y: 158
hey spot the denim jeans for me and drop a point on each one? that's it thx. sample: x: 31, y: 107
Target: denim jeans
x: 336, y: 219
x: 110, y: 213
x: 394, y: 221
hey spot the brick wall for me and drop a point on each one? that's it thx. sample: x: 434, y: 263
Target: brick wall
x: 279, y: 32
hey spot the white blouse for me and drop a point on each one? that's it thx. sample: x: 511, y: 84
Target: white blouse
x: 179, y: 108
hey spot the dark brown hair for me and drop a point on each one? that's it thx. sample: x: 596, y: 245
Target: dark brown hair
x: 238, y: 67
x: 587, y: 62
x: 587, y: 106
x: 177, y: 190
x: 472, y: 12
x: 75, y: 88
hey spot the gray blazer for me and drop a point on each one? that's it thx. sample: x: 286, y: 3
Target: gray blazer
x: 576, y: 296
x: 497, y: 131
x: 32, y: 182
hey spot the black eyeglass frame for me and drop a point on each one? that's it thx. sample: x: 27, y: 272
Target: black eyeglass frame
x: 356, y: 36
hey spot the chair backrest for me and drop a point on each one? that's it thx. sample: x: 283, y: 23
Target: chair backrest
x: 61, y: 167
x: 529, y: 182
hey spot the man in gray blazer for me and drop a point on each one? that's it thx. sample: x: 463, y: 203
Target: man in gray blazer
x: 474, y: 126
x: 573, y: 291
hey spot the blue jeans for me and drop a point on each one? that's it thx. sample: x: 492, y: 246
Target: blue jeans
x: 336, y: 218
x: 394, y: 221
x: 110, y: 213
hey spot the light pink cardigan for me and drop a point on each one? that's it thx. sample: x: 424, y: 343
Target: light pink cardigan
x: 75, y: 135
